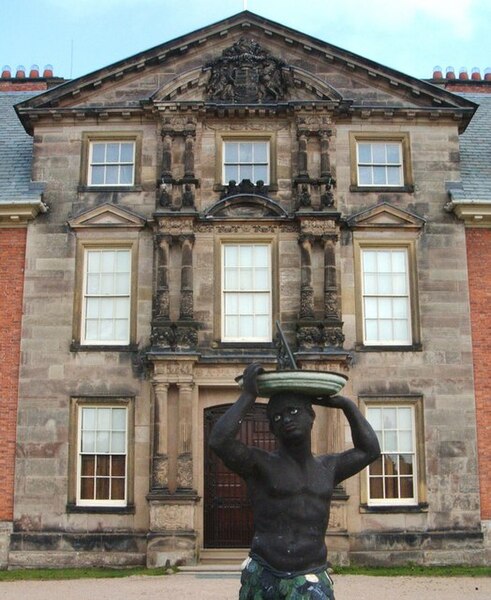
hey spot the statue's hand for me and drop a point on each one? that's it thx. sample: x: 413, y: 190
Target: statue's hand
x: 334, y: 401
x: 249, y: 381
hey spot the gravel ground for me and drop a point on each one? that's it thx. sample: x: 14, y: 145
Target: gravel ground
x: 204, y: 586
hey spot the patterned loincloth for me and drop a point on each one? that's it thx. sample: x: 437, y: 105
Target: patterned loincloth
x: 259, y: 583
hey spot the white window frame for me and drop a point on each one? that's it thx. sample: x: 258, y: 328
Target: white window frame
x: 81, y: 452
x: 228, y: 291
x: 381, y: 434
x: 114, y: 296
x: 105, y: 164
x: 385, y: 298
x: 386, y: 164
x: 267, y: 163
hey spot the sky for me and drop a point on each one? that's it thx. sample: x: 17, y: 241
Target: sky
x: 81, y: 36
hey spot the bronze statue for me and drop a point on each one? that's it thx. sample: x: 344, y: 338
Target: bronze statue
x: 290, y: 489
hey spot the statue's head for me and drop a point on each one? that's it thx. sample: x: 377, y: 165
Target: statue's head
x: 290, y: 415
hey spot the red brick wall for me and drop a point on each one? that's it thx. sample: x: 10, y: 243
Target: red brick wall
x: 12, y: 256
x: 479, y: 264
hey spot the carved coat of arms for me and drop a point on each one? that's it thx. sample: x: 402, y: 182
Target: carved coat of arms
x: 246, y: 72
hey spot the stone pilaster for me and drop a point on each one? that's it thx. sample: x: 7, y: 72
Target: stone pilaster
x: 331, y: 300
x: 186, y: 305
x: 306, y: 289
x: 160, y: 471
x: 184, y: 457
x: 162, y: 305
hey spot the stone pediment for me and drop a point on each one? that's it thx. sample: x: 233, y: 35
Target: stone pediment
x: 385, y: 216
x: 245, y: 206
x: 184, y: 67
x: 107, y: 216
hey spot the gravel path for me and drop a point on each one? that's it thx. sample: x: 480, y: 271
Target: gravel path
x: 203, y: 586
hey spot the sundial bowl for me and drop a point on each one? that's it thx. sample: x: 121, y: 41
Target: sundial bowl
x: 310, y: 383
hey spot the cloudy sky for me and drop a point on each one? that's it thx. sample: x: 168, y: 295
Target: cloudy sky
x: 80, y: 36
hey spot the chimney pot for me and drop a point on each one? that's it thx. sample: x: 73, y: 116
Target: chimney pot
x: 21, y: 72
x: 487, y: 74
x: 437, y: 72
x: 476, y: 74
x: 463, y: 73
x: 34, y: 72
x: 450, y: 74
x: 48, y: 71
x: 6, y: 72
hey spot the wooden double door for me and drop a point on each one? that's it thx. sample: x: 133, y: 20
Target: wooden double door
x: 227, y: 510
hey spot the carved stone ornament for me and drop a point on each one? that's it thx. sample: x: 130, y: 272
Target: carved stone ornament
x: 171, y: 336
x: 246, y: 72
x: 319, y: 336
x: 160, y: 472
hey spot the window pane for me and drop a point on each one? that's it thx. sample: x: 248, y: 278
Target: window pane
x: 390, y: 418
x: 399, y: 261
x: 118, y: 466
x: 117, y: 489
x: 87, y: 488
x: 394, y: 176
x: 246, y: 279
x: 88, y: 441
x: 231, y: 279
x: 98, y: 152
x: 231, y: 173
x: 231, y: 254
x: 401, y: 330
x: 404, y: 418
x: 385, y: 307
x: 231, y: 152
x: 391, y: 487
x: 246, y: 304
x: 103, y: 463
x: 371, y: 330
x: 92, y: 308
x: 406, y: 464
x: 400, y: 308
x: 370, y: 284
x: 405, y: 441
x: 261, y: 304
x: 371, y: 308
x: 122, y: 262
x: 112, y: 175
x: 245, y: 152
x: 106, y: 283
x: 375, y: 417
x: 93, y: 261
x: 232, y: 304
x: 126, y: 174
x: 107, y: 261
x: 261, y: 327
x: 102, y: 442
x: 365, y: 176
x: 118, y: 442
x: 376, y: 467
x: 231, y: 327
x: 376, y: 487
x: 384, y: 284
x: 121, y: 330
x: 102, y: 488
x: 112, y: 153
x: 118, y: 416
x: 364, y: 153
x: 88, y: 418
x: 369, y: 261
x: 91, y: 330
x: 121, y: 308
x: 122, y: 283
x: 261, y: 174
x: 407, y: 487
x: 127, y: 150
x: 246, y: 256
x: 385, y: 333
x: 399, y: 284
x: 378, y: 151
x: 97, y: 176
x: 393, y: 153
x: 246, y: 172
x: 261, y: 152
x: 246, y: 327
x: 261, y: 279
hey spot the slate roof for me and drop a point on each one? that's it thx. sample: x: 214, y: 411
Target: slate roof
x: 15, y: 153
x: 475, y: 155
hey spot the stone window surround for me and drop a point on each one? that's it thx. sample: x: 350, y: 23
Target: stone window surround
x: 99, y: 401
x: 244, y: 136
x: 381, y: 136
x: 95, y: 242
x: 407, y: 241
x: 110, y: 136
x: 221, y: 240
x: 415, y: 401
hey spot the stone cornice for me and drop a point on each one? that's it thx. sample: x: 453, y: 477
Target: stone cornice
x: 473, y: 213
x: 19, y: 213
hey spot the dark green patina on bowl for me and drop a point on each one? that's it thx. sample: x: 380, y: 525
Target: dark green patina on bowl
x: 310, y: 383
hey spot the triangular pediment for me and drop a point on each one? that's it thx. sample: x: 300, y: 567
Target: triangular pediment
x: 181, y: 69
x: 107, y: 216
x: 385, y: 216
